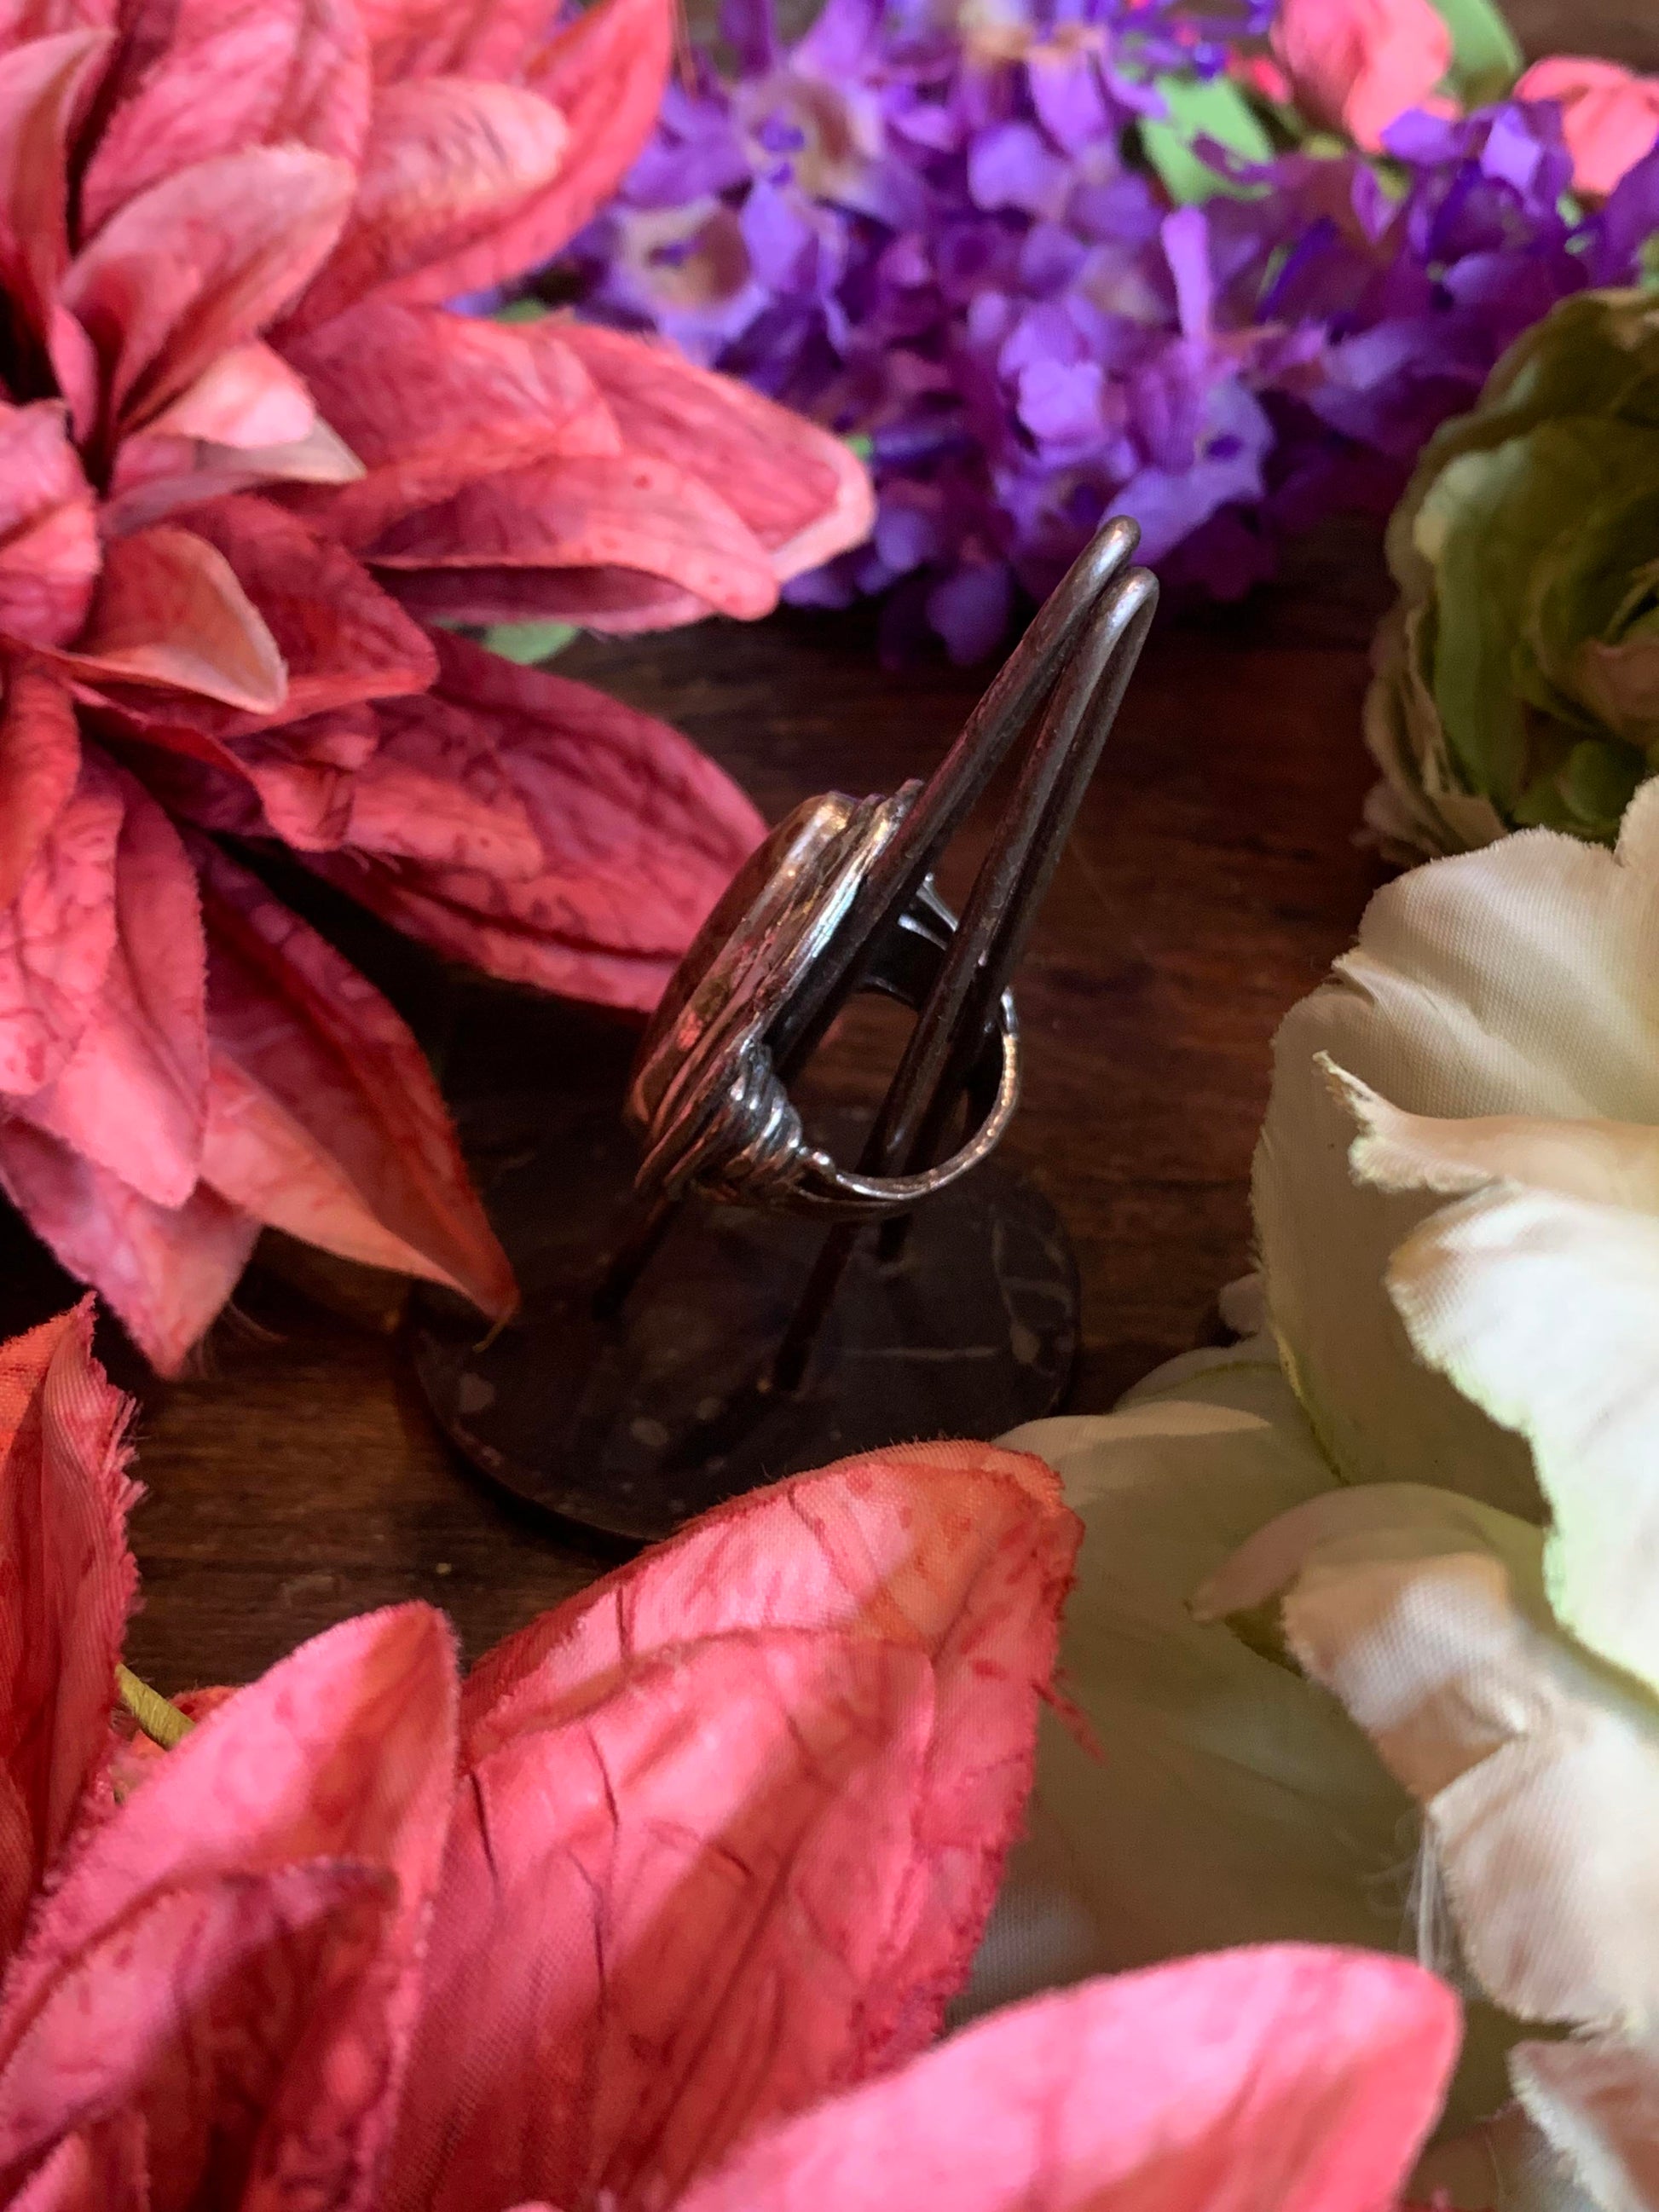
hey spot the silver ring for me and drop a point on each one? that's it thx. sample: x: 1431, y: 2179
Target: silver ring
x: 705, y: 1098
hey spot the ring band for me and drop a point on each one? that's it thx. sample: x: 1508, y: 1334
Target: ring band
x: 705, y: 1099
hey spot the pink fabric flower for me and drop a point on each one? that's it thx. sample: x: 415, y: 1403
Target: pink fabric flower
x: 1610, y: 114
x: 1357, y: 65
x: 658, y: 1908
x: 246, y: 455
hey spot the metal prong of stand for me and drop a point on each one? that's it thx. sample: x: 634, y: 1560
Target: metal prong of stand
x: 1113, y: 612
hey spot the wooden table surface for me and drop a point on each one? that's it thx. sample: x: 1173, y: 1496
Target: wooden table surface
x: 297, y: 1477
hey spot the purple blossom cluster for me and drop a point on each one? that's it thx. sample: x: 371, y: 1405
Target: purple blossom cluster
x: 940, y: 235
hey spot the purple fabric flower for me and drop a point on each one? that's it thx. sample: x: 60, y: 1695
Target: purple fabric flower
x: 933, y: 233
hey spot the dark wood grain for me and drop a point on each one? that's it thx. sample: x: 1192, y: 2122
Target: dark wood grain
x: 296, y: 1477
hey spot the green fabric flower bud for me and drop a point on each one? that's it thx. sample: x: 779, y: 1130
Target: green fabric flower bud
x: 1517, y: 680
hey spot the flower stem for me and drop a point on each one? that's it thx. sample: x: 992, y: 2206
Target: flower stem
x: 161, y: 1722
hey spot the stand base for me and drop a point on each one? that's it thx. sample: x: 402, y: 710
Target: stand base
x: 632, y: 1426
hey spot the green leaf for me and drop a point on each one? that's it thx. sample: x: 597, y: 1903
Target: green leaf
x: 1211, y: 108
x: 527, y: 642
x: 521, y: 310
x: 1485, y: 59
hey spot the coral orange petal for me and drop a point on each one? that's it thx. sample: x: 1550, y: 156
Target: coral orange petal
x: 233, y: 1955
x: 206, y: 77
x: 67, y: 1588
x: 454, y: 396
x: 1280, y: 2080
x: 640, y: 834
x: 449, y: 163
x: 170, y: 613
x: 804, y: 494
x: 202, y: 262
x: 132, y: 1095
x: 605, y: 75
x: 346, y: 1083
x: 58, y: 934
x: 165, y: 1271
x: 599, y: 511
x: 40, y: 766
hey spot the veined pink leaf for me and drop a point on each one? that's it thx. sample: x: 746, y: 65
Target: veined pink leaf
x: 132, y: 1095
x: 170, y: 613
x: 67, y: 1584
x: 201, y: 78
x: 464, y: 37
x: 1287, y: 2079
x: 604, y: 74
x: 600, y: 511
x: 789, y: 1749
x: 448, y: 161
x: 804, y: 494
x: 234, y: 1954
x: 454, y: 396
x: 43, y: 87
x: 40, y: 469
x: 343, y: 1080
x: 57, y: 934
x: 202, y: 262
x: 640, y: 834
x: 164, y: 1271
x: 40, y: 766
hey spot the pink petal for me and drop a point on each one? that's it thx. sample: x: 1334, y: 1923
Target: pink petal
x: 132, y: 1095
x: 470, y: 38
x: 605, y: 73
x: 233, y: 1955
x: 202, y: 262
x: 45, y: 87
x: 438, y: 791
x: 331, y: 1077
x: 165, y: 1271
x: 205, y: 77
x: 1288, y: 2079
x: 619, y: 602
x: 67, y: 1584
x: 1358, y: 65
x: 454, y: 397
x: 44, y: 19
x: 58, y: 934
x: 732, y: 1823
x: 170, y: 611
x: 49, y: 552
x: 600, y: 511
x: 247, y: 397
x: 804, y: 494
x: 448, y: 161
x: 639, y: 835
x: 40, y: 766
x: 342, y: 638
x: 102, y: 2171
x: 1609, y: 116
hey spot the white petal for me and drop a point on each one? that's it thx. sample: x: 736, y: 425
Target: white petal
x: 1598, y: 2101
x: 1544, y: 1310
x: 1538, y: 1767
x: 1518, y: 981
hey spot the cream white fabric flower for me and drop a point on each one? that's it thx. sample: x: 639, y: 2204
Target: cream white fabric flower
x: 1444, y: 1459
